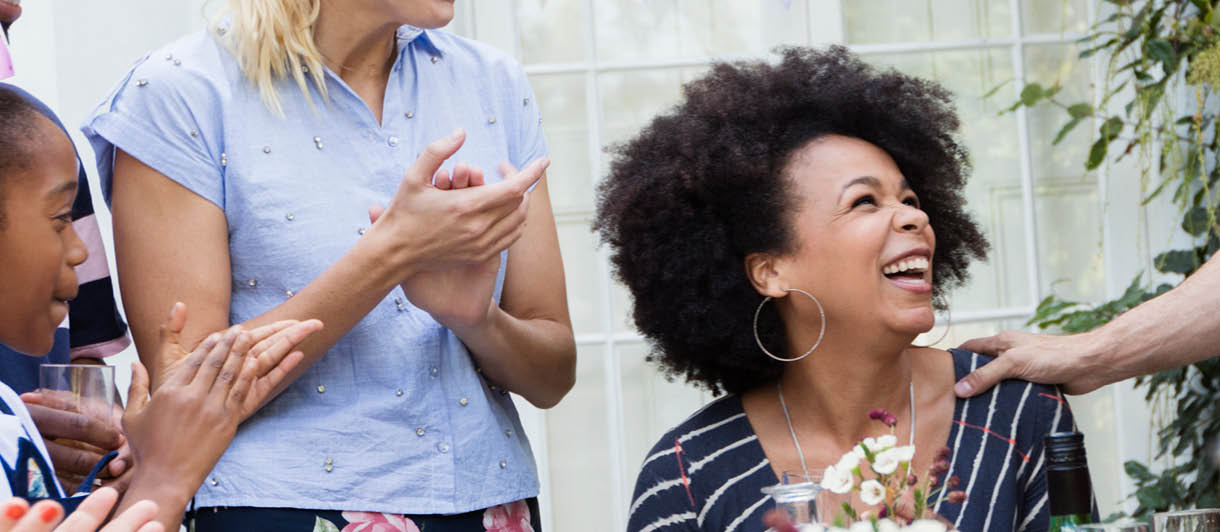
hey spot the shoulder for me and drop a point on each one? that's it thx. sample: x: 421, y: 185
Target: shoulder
x: 471, y: 54
x: 707, y: 430
x: 195, y: 69
x: 1025, y: 410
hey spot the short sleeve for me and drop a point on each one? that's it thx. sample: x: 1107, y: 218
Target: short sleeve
x: 168, y: 116
x: 1053, y: 415
x: 530, y: 143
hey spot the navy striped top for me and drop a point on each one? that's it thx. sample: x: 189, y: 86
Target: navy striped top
x: 707, y: 473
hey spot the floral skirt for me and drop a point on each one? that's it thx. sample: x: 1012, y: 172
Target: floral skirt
x: 519, y: 516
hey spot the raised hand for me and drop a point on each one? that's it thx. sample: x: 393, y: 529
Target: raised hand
x: 179, y: 432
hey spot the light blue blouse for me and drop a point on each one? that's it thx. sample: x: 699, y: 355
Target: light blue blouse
x: 396, y: 416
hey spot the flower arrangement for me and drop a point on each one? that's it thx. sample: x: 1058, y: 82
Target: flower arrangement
x: 885, y: 490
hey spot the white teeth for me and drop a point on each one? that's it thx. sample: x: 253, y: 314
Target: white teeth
x: 916, y: 264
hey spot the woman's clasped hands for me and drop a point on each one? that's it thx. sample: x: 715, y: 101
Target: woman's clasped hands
x: 448, y: 229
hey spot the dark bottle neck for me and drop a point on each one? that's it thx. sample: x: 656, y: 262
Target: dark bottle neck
x: 1069, y: 491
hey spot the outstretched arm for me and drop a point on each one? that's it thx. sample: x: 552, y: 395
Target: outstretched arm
x: 1177, y: 328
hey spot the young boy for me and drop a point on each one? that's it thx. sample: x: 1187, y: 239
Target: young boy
x: 177, y: 435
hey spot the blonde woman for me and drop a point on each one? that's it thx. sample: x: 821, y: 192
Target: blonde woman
x: 267, y: 146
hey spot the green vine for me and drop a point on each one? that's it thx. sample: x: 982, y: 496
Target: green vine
x: 1153, y: 48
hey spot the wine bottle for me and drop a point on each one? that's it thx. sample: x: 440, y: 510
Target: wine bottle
x: 1068, y: 488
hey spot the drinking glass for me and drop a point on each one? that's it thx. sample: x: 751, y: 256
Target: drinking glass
x: 1187, y: 521
x: 1122, y: 526
x: 81, y: 388
x: 797, y: 494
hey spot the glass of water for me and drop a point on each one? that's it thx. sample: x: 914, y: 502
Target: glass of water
x: 1187, y: 521
x: 1121, y: 526
x: 81, y: 388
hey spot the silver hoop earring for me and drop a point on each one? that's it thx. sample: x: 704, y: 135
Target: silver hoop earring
x: 948, y: 323
x: 821, y: 333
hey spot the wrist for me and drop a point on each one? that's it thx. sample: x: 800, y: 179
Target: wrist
x: 167, y: 490
x: 475, y: 323
x: 388, y: 259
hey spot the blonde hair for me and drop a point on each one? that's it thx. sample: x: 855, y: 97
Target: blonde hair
x: 273, y: 40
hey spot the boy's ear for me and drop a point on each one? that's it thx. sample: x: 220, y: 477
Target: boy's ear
x: 764, y: 271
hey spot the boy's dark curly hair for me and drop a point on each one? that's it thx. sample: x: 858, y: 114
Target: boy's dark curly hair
x: 703, y: 186
x: 18, y: 119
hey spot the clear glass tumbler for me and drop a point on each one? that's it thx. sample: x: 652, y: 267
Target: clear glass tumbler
x: 1187, y: 521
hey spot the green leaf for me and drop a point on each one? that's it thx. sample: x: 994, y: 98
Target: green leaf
x: 1177, y: 261
x: 1111, y: 128
x: 1031, y: 94
x: 322, y: 525
x: 1097, y: 153
x: 1161, y: 50
x: 1080, y: 110
x: 1068, y: 127
x: 1138, y: 471
x: 1196, y: 221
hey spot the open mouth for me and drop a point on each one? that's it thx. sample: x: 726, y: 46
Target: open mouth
x: 911, y: 268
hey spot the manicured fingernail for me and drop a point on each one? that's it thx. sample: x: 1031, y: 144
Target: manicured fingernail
x: 962, y: 388
x: 49, y: 514
x: 14, y: 512
x: 456, y: 133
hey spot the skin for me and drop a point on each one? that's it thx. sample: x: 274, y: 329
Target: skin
x: 429, y: 240
x: 853, y: 205
x: 1163, y: 333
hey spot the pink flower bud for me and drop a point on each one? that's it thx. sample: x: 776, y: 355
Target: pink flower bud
x: 877, y: 414
x: 943, y: 453
x: 883, y: 513
x: 956, y: 497
x: 939, y: 468
x: 912, y: 480
x: 935, y: 483
x: 953, y: 482
x: 890, y: 420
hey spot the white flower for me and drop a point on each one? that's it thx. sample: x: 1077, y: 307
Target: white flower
x: 872, y: 492
x: 904, y: 454
x: 886, y: 525
x: 836, y: 481
x: 884, y: 442
x: 926, y: 525
x: 870, y: 443
x: 861, y: 526
x: 886, y: 462
x: 848, y: 462
x: 814, y: 527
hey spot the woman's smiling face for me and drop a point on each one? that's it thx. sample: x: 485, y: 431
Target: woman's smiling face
x: 863, y: 246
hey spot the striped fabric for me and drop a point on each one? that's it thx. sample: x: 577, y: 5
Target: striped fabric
x: 97, y: 330
x: 707, y: 473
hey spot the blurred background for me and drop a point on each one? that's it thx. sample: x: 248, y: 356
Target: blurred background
x: 602, y: 69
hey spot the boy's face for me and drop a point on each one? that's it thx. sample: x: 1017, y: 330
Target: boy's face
x: 38, y: 246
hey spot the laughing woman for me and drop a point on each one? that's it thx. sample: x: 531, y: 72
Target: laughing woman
x: 266, y: 145
x: 814, y: 205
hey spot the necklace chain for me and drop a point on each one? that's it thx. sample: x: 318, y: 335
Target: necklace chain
x: 797, y: 443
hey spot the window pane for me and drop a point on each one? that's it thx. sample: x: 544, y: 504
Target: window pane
x: 578, y: 448
x: 994, y: 190
x: 581, y: 274
x: 1054, y: 16
x: 565, y: 122
x: 630, y: 99
x: 890, y: 21
x: 551, y: 31
x: 668, y: 29
x: 1068, y: 209
x: 651, y: 405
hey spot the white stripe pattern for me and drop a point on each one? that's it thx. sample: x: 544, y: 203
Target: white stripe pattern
x: 957, y: 442
x: 668, y: 520
x: 1032, y: 513
x: 995, y: 490
x: 711, y: 501
x: 662, y: 486
x: 697, y: 465
x: 697, y: 432
x: 978, y: 457
x: 746, y: 514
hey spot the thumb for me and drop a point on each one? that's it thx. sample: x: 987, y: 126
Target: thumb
x: 137, y: 393
x: 983, y: 378
x: 375, y: 212
x: 434, y: 155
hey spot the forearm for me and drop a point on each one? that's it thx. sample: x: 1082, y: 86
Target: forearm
x: 1177, y: 328
x: 532, y: 357
x: 171, y: 495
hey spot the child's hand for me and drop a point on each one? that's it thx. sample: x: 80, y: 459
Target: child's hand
x: 179, y: 433
x: 16, y: 515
